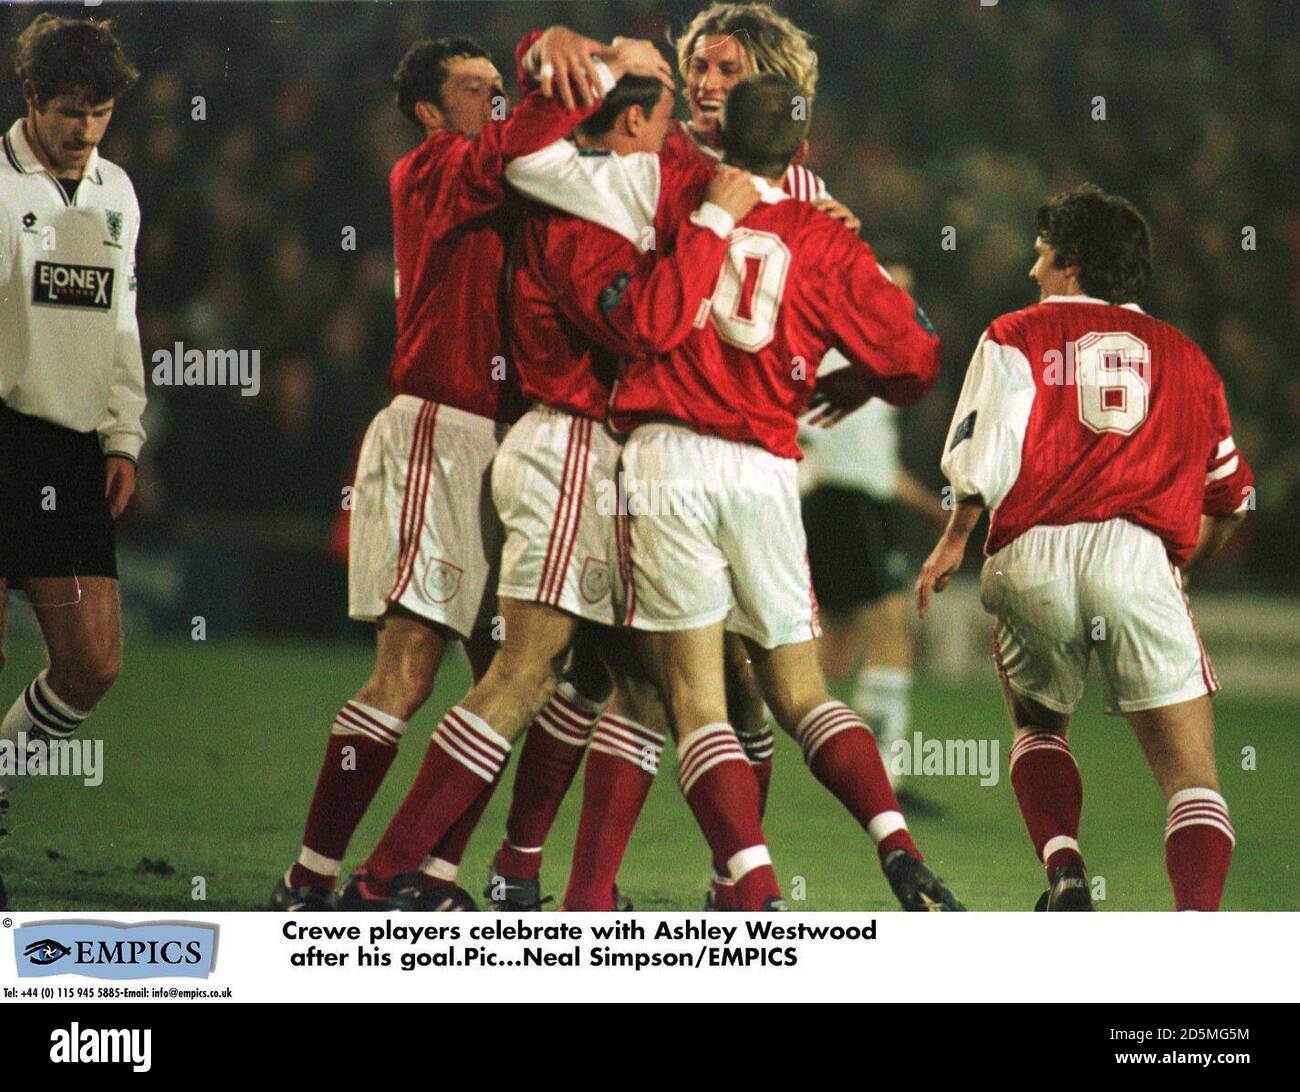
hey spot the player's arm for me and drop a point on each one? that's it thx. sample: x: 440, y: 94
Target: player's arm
x: 877, y: 325
x: 1229, y: 484
x: 653, y: 312
x: 946, y: 557
x: 121, y: 433
x: 465, y: 175
x: 982, y: 453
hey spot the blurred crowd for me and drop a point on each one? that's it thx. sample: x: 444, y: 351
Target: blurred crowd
x: 260, y: 133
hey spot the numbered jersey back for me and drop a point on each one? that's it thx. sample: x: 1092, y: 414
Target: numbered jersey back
x: 1120, y: 416
x: 794, y: 284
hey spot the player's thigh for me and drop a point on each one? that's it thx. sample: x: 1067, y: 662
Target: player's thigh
x: 745, y: 708
x: 884, y: 630
x: 535, y: 638
x: 1028, y: 715
x: 761, y: 533
x: 687, y: 667
x: 1040, y: 644
x: 790, y: 679
x: 409, y: 650
x: 839, y: 648
x: 81, y: 621
x: 553, y: 484
x: 1140, y: 622
x: 672, y: 570
x: 1178, y: 741
x: 425, y: 535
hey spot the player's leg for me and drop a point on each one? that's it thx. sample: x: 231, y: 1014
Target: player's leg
x: 622, y: 761
x: 549, y: 480
x: 842, y: 754
x: 1049, y: 790
x: 80, y: 619
x: 471, y: 744
x: 714, y: 773
x: 363, y: 743
x: 552, y: 751
x: 1178, y: 741
x: 1159, y: 676
x: 441, y: 867
x: 1041, y: 652
x: 749, y: 715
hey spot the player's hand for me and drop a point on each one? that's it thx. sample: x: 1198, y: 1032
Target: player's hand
x: 733, y: 191
x: 837, y: 211
x: 836, y: 395
x: 944, y: 560
x: 564, y: 61
x: 637, y: 57
x: 119, y: 483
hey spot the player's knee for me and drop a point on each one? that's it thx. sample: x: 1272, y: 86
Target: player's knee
x: 85, y: 681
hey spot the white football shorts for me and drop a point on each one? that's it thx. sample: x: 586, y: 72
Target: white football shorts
x: 425, y: 534
x: 1059, y: 594
x: 713, y: 534
x: 554, y: 486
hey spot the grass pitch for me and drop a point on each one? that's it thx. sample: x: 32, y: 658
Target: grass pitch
x: 211, y: 753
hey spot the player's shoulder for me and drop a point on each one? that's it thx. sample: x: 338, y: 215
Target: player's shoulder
x: 114, y: 179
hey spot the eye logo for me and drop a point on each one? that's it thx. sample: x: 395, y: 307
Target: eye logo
x: 45, y: 952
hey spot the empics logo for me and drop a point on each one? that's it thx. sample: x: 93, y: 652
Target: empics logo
x: 44, y: 952
x: 112, y: 1046
x: 106, y: 950
x: 58, y: 284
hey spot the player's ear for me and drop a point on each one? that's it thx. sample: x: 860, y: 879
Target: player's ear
x: 633, y: 120
x: 429, y: 115
x: 29, y: 95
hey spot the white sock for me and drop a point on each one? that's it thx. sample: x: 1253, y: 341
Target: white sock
x: 38, y: 713
x: 883, y: 697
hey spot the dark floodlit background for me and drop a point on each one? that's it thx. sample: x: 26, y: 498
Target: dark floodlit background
x: 929, y: 114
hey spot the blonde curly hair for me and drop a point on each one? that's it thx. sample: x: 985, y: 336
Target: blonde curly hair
x: 771, y: 42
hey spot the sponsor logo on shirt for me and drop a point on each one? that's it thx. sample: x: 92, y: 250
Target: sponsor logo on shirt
x: 965, y: 430
x: 114, y: 220
x: 60, y: 284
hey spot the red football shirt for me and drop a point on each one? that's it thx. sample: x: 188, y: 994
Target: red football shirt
x: 1077, y: 411
x: 795, y: 283
x: 625, y: 278
x: 451, y: 227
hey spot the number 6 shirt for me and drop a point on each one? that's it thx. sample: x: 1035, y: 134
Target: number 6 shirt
x: 1076, y: 410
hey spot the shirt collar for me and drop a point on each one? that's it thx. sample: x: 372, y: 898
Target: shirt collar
x: 19, y: 151
x: 768, y: 193
x: 1092, y: 299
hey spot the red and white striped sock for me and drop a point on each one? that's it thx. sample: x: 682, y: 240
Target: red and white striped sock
x: 842, y: 754
x: 442, y: 865
x: 361, y: 747
x: 622, y: 761
x: 759, y: 745
x: 464, y: 754
x: 552, y: 753
x: 1045, y: 779
x: 1198, y: 848
x: 720, y: 786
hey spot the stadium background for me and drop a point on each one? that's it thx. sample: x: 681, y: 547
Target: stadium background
x: 928, y: 115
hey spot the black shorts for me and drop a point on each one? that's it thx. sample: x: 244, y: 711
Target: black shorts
x: 54, y: 518
x: 853, y: 549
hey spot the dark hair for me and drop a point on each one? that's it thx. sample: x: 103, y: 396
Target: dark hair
x: 73, y: 56
x: 761, y: 127
x: 423, y: 71
x: 1105, y: 236
x: 642, y: 91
